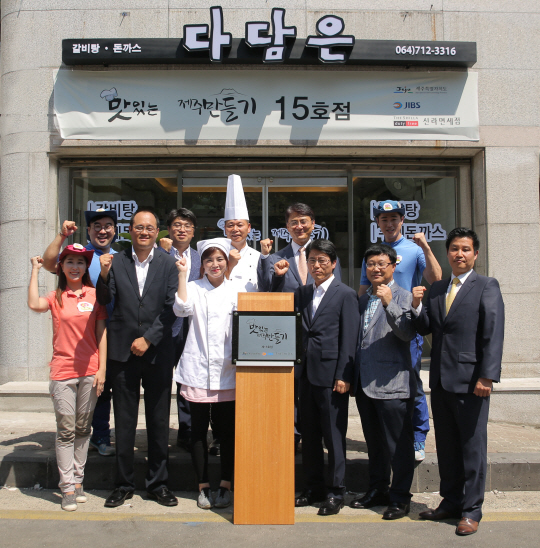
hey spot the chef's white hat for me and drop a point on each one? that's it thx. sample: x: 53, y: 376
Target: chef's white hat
x: 222, y: 243
x: 235, y: 202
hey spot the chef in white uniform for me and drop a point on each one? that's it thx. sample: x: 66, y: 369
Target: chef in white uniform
x: 205, y: 369
x: 243, y: 258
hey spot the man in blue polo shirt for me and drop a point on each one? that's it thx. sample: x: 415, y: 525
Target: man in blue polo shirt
x: 101, y: 228
x: 414, y: 260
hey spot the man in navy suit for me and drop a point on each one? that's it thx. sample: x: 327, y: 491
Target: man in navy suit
x: 181, y: 224
x: 300, y: 222
x: 330, y: 322
x: 465, y: 315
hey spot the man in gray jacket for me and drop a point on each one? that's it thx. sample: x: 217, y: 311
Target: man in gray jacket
x: 385, y: 385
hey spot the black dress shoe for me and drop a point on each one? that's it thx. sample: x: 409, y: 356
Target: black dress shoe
x: 438, y: 514
x: 308, y: 497
x: 163, y: 496
x: 374, y: 497
x: 396, y: 510
x: 118, y: 497
x: 331, y: 506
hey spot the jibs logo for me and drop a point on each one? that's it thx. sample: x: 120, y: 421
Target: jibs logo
x: 407, y: 105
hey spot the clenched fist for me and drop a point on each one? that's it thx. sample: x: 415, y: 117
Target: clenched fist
x: 181, y: 265
x: 385, y: 294
x: 420, y: 240
x: 37, y: 262
x: 166, y: 244
x: 68, y: 228
x: 106, y: 262
x: 266, y: 246
x: 418, y: 295
x: 281, y: 267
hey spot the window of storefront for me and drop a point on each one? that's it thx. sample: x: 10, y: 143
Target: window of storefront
x: 341, y: 198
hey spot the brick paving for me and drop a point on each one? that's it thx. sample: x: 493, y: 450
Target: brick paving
x: 30, y: 431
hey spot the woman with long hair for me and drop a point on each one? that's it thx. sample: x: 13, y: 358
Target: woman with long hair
x: 205, y: 370
x: 78, y: 364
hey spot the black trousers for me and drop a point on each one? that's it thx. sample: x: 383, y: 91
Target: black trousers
x: 222, y: 415
x: 388, y: 430
x: 460, y: 422
x: 126, y: 378
x: 324, y: 415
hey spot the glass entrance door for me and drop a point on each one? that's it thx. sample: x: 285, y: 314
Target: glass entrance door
x: 267, y: 199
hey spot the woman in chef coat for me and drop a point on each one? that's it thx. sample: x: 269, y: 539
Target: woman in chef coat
x: 205, y: 370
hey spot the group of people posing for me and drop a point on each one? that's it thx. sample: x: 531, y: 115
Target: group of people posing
x: 153, y: 313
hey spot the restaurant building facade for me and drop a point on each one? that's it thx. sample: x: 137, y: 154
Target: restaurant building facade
x: 156, y: 102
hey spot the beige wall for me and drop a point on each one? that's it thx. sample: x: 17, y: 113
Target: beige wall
x: 505, y: 165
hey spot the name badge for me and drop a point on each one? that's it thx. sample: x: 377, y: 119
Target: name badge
x: 85, y: 307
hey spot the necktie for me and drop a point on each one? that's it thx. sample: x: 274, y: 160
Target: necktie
x: 452, y: 295
x: 302, y: 266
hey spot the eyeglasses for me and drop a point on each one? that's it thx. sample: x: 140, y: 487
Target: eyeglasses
x: 182, y: 226
x: 141, y: 228
x: 382, y: 266
x: 321, y: 261
x: 301, y: 222
x: 109, y: 227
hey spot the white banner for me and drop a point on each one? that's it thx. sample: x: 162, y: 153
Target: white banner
x: 248, y: 105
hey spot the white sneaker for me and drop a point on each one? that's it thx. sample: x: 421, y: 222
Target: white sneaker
x: 69, y: 504
x: 80, y: 495
x: 419, y: 451
x: 205, y: 500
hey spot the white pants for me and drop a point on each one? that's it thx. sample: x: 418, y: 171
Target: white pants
x: 74, y: 401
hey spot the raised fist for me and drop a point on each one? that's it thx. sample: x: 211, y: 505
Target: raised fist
x: 69, y: 228
x: 181, y: 265
x: 106, y: 262
x: 37, y: 262
x: 166, y: 244
x: 266, y: 246
x: 281, y: 267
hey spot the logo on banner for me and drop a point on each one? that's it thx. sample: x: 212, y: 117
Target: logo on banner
x: 397, y: 105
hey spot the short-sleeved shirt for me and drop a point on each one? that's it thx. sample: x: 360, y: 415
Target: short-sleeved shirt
x: 75, y: 350
x: 411, y: 264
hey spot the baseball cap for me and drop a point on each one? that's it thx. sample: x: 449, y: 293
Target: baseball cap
x: 388, y: 206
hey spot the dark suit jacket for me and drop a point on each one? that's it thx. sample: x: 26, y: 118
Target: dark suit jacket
x: 330, y: 338
x: 468, y: 343
x: 150, y: 316
x: 383, y: 360
x: 268, y: 281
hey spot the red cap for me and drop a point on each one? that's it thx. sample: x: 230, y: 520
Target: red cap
x: 76, y: 249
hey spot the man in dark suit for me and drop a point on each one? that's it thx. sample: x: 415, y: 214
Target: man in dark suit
x: 465, y: 314
x: 141, y: 348
x: 330, y: 321
x: 385, y: 385
x: 181, y: 224
x: 300, y: 222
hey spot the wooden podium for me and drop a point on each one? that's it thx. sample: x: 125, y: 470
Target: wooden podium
x: 264, y: 446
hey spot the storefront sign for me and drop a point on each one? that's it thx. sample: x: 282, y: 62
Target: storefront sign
x: 271, y: 41
x: 246, y: 105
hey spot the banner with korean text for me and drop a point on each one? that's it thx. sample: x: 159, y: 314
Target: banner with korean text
x: 257, y: 105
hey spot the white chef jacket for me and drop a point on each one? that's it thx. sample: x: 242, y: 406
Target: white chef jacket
x: 245, y: 272
x: 206, y: 361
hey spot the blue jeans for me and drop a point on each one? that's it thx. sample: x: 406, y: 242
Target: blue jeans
x: 421, y: 412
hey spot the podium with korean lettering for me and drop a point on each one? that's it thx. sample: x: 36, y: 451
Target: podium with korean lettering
x: 265, y: 346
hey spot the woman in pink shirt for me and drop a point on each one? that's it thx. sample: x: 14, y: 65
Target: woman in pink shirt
x: 78, y: 363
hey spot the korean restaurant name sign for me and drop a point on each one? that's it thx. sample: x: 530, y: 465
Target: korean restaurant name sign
x: 244, y: 105
x: 272, y: 41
